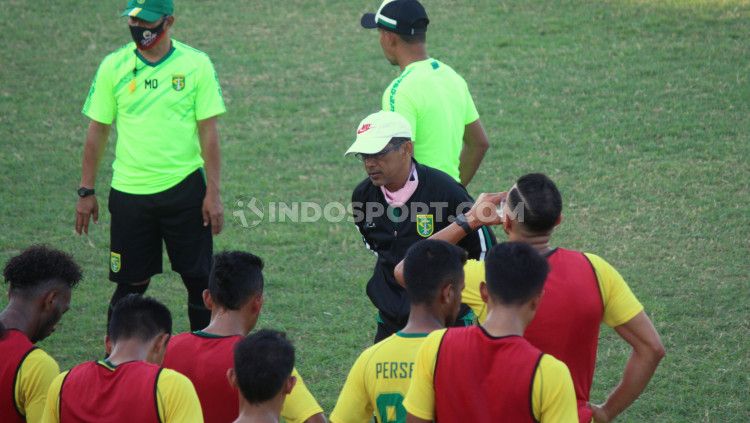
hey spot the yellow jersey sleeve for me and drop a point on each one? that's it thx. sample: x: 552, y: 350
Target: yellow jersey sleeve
x: 420, y: 400
x: 620, y: 304
x: 300, y: 404
x: 51, y: 404
x: 35, y: 375
x: 176, y: 398
x: 473, y: 276
x: 553, y: 398
x: 354, y: 404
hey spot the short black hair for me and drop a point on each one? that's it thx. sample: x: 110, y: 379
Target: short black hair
x: 263, y: 362
x: 39, y: 266
x: 428, y: 265
x: 139, y: 317
x: 236, y: 276
x: 542, y: 201
x: 515, y: 272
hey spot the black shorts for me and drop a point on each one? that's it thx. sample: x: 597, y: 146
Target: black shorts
x: 141, y: 222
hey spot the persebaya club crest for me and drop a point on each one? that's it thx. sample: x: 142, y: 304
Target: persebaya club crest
x: 178, y: 82
x: 425, y: 225
x: 115, y: 263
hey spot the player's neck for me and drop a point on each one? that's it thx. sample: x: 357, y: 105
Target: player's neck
x: 158, y: 51
x: 128, y: 350
x: 229, y: 323
x: 540, y: 242
x: 422, y: 320
x: 504, y: 321
x: 16, y: 316
x: 411, y: 54
x: 267, y: 412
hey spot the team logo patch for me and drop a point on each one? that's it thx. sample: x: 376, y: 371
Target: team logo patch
x: 178, y: 82
x: 425, y: 225
x: 115, y: 262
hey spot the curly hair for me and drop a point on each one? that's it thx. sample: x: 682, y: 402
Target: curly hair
x: 37, y: 266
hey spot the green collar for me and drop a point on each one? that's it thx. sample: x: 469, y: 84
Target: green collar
x: 209, y: 335
x: 411, y: 335
x: 157, y: 63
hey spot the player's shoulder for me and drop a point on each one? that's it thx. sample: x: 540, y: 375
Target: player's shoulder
x: 172, y: 379
x: 551, y: 367
x: 118, y: 55
x: 441, y: 181
x: 40, y: 358
x: 363, y: 190
x: 192, y: 52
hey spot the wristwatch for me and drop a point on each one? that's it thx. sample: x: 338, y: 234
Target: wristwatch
x: 463, y: 223
x: 85, y: 192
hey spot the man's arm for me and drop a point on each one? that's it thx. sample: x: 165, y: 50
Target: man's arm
x: 475, y: 146
x: 483, y: 212
x: 96, y: 140
x: 213, y: 210
x: 648, y: 351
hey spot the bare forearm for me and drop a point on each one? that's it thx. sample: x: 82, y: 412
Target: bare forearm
x: 471, y: 158
x: 96, y: 140
x: 209, y: 137
x: 638, y: 372
x: 474, y: 148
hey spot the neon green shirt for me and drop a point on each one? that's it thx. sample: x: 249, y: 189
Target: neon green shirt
x: 156, y: 108
x: 437, y: 103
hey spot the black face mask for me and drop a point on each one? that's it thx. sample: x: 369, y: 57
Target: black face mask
x: 147, y: 38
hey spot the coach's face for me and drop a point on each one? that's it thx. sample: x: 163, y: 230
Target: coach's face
x: 391, y: 167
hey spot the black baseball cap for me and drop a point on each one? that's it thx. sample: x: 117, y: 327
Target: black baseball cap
x: 406, y: 17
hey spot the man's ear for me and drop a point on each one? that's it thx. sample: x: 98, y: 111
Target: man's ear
x: 507, y: 223
x: 207, y: 300
x: 170, y: 21
x: 289, y: 385
x: 446, y: 293
x: 559, y: 219
x: 484, y: 292
x: 257, y: 304
x: 232, y: 378
x: 409, y: 148
x: 48, y: 299
x: 107, y: 345
x: 534, y: 302
x: 159, y: 348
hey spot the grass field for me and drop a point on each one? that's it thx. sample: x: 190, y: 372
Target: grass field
x: 639, y: 110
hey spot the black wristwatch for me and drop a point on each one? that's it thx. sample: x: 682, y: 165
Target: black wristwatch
x: 85, y: 192
x: 463, y: 223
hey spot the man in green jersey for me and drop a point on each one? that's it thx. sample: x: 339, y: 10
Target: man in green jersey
x: 447, y: 133
x: 164, y: 98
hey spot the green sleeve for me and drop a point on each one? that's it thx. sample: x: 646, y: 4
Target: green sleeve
x: 100, y: 104
x: 208, y: 97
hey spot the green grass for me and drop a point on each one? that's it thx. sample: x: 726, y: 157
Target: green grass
x: 639, y: 110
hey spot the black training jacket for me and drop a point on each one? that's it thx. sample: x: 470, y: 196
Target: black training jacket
x: 440, y: 198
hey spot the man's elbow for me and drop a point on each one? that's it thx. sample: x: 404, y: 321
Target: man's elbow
x: 654, y: 351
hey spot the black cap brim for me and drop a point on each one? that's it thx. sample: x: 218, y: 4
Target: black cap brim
x: 368, y: 21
